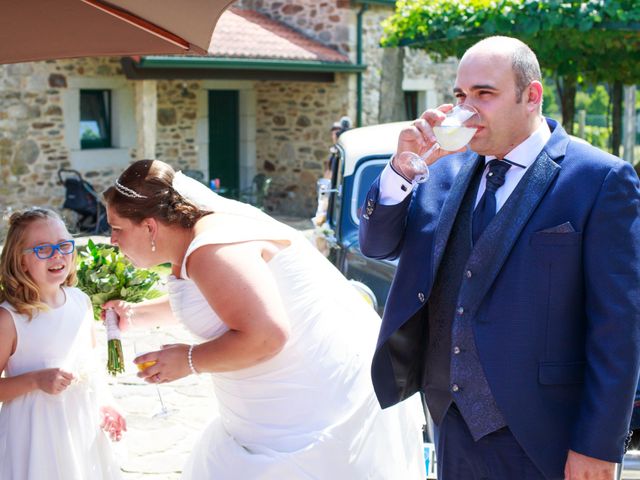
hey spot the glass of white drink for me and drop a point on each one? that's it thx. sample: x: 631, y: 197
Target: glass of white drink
x: 142, y: 346
x: 455, y: 131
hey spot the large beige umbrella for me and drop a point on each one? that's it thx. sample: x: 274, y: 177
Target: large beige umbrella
x: 48, y: 29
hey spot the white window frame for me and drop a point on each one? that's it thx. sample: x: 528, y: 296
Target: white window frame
x: 123, y: 123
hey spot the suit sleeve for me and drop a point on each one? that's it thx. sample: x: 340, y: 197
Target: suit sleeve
x: 382, y: 227
x: 611, y: 242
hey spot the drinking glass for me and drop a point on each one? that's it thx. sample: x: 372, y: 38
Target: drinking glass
x: 142, y: 346
x: 455, y: 131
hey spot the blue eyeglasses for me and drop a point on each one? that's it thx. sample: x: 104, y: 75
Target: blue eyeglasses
x: 47, y: 250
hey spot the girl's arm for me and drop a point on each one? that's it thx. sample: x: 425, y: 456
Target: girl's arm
x: 50, y: 380
x: 112, y: 421
x: 237, y: 283
x: 150, y: 313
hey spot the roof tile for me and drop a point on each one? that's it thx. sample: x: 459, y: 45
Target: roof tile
x: 249, y: 34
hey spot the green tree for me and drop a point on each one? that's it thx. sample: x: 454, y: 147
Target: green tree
x: 599, y: 101
x: 549, y: 103
x: 596, y: 39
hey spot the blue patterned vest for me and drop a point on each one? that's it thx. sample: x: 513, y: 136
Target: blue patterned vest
x: 453, y: 371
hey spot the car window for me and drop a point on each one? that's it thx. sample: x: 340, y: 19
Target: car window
x: 363, y: 178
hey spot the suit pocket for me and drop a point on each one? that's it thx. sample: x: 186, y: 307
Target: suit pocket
x: 550, y: 238
x: 560, y: 373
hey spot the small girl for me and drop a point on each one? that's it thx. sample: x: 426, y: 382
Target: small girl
x: 50, y: 423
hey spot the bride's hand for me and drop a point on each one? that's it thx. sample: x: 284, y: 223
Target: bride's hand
x: 171, y: 363
x: 123, y: 309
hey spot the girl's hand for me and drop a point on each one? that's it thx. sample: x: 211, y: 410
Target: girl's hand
x: 124, y: 311
x: 53, y: 380
x: 113, y: 423
x: 171, y: 363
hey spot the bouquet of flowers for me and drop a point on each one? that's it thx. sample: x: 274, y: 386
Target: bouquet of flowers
x: 105, y: 274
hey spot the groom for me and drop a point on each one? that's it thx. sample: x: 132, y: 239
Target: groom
x: 516, y: 302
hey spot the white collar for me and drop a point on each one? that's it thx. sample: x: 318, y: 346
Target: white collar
x: 527, y: 152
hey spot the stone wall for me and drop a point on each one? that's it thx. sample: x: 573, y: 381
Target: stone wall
x: 32, y: 130
x: 293, y: 138
x: 417, y: 66
x: 176, y: 127
x: 33, y: 146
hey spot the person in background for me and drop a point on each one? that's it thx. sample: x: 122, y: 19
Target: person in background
x: 54, y: 408
x: 324, y: 184
x: 515, y: 302
x: 337, y: 129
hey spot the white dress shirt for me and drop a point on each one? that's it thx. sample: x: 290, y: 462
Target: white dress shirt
x: 394, y: 188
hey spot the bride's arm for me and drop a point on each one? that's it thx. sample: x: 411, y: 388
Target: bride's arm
x: 238, y: 285
x: 236, y: 281
x: 150, y: 313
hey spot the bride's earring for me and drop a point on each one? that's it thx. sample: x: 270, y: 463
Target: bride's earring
x: 153, y: 245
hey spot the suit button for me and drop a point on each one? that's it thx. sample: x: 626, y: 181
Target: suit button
x: 421, y: 297
x: 456, y: 350
x: 455, y: 387
x: 468, y: 274
x: 460, y: 310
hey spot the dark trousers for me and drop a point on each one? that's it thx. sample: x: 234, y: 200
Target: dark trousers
x: 496, y: 456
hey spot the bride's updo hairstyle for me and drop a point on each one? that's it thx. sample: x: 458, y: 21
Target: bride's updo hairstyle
x: 144, y: 190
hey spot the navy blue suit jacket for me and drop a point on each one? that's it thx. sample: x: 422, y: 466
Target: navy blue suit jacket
x: 554, y: 295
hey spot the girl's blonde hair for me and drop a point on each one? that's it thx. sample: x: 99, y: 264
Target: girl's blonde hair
x: 16, y: 286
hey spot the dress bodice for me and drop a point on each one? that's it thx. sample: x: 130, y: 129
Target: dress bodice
x: 57, y: 337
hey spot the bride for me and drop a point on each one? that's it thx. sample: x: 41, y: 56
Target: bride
x: 286, y: 339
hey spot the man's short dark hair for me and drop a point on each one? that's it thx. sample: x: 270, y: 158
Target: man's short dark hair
x: 525, y: 68
x: 524, y: 62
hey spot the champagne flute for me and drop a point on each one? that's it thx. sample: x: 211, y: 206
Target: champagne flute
x: 142, y: 346
x: 455, y: 131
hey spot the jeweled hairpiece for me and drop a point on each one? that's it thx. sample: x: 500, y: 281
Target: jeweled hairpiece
x: 127, y: 192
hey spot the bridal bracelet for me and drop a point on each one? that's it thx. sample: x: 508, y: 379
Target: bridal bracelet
x: 190, y: 358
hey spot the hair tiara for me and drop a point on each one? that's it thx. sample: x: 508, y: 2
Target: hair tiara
x: 127, y: 192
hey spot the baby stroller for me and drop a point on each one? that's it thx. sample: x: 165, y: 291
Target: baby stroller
x: 81, y: 197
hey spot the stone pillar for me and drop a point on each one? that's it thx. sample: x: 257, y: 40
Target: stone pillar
x: 629, y: 123
x: 146, y: 118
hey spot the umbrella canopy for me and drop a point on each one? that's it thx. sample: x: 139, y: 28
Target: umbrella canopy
x: 33, y: 30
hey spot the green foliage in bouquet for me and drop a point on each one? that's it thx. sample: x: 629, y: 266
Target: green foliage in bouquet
x: 106, y: 274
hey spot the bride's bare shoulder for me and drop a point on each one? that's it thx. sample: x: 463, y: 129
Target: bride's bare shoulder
x: 218, y: 220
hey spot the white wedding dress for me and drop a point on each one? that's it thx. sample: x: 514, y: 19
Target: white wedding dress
x: 56, y: 437
x: 310, y: 411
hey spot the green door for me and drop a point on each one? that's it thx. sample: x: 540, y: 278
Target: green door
x: 224, y: 140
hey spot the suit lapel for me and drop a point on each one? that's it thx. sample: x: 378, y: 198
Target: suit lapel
x: 450, y: 209
x: 498, y: 239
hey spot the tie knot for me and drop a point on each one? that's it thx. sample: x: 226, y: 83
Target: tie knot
x: 497, y: 172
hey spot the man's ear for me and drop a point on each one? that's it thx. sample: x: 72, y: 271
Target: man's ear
x: 534, y: 96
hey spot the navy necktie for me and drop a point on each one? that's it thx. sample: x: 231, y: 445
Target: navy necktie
x: 486, y: 208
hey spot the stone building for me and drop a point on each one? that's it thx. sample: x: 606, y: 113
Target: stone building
x: 281, y: 73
